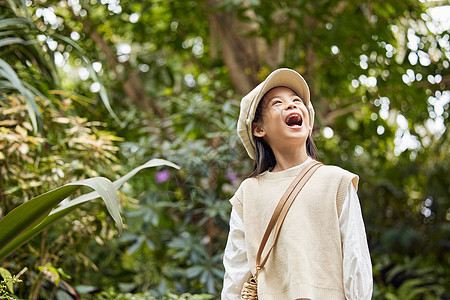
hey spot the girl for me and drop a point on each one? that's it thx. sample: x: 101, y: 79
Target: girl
x: 321, y: 251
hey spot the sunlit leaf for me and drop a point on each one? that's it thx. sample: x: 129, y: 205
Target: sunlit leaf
x: 7, y: 277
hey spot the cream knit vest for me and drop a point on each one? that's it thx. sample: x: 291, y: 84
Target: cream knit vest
x: 306, y: 261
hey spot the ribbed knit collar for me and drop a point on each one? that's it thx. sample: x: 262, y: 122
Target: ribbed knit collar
x: 291, y: 172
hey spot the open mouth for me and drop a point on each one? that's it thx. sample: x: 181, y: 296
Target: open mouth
x: 294, y: 120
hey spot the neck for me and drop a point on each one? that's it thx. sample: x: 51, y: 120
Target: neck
x: 288, y: 158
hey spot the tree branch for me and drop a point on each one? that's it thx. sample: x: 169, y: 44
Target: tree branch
x: 328, y: 118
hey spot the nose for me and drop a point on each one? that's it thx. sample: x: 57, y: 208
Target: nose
x: 291, y: 105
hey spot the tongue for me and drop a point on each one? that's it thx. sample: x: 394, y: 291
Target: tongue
x: 294, y: 120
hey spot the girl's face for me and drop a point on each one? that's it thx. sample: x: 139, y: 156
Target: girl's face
x: 284, y: 119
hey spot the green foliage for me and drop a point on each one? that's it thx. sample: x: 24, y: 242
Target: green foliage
x: 33, y: 216
x: 112, y: 294
x: 73, y: 147
x: 27, y: 69
x: 408, y: 279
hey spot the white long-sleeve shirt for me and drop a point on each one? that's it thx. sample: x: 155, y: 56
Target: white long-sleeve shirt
x: 357, y: 266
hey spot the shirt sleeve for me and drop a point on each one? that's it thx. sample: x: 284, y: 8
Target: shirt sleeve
x: 235, y: 261
x: 357, y: 266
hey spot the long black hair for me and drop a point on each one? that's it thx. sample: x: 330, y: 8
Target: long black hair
x: 264, y: 157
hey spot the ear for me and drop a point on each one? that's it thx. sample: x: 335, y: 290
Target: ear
x: 258, y: 130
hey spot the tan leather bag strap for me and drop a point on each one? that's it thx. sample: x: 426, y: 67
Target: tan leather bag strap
x: 282, y: 209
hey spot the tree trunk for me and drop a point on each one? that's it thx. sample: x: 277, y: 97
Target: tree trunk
x: 243, y: 54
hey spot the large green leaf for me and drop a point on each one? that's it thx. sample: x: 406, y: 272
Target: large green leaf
x: 30, y: 218
x: 31, y: 213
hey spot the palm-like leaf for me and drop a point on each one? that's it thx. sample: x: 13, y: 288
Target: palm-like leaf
x: 9, y: 81
x: 19, y: 48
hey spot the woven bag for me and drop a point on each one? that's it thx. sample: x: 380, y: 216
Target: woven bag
x: 250, y: 288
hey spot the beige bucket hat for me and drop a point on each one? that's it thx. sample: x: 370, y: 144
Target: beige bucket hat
x: 280, y: 77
